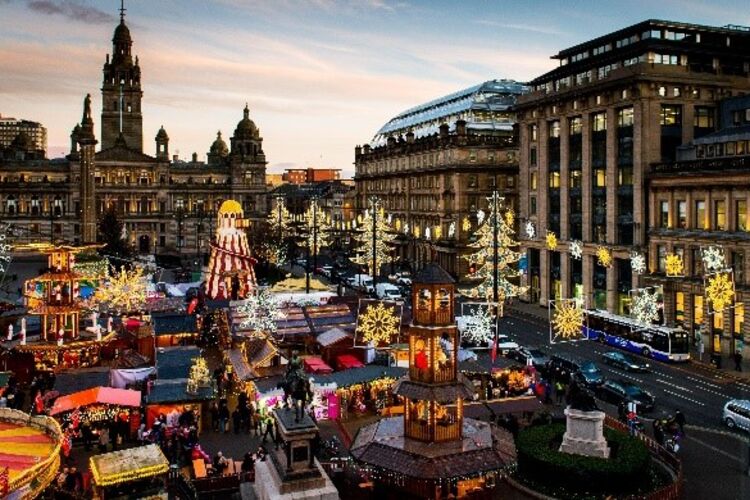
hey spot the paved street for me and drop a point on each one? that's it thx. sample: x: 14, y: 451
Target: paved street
x: 714, y: 458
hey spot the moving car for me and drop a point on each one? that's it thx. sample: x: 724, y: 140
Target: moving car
x: 737, y: 414
x: 589, y: 375
x: 562, y: 367
x: 386, y: 291
x: 538, y: 358
x: 620, y: 391
x: 624, y: 362
x: 362, y: 282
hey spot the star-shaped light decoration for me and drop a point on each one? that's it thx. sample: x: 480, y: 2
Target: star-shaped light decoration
x: 480, y: 216
x: 551, y: 240
x: 604, y: 257
x: 261, y: 311
x: 576, y: 249
x: 530, y: 230
x: 720, y: 291
x: 675, y: 266
x: 378, y: 323
x: 125, y: 292
x: 452, y: 230
x: 713, y: 259
x: 566, y: 320
x: 645, y: 306
x: 637, y: 263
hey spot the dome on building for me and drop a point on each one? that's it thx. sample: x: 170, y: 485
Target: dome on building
x: 230, y: 207
x: 246, y: 127
x: 122, y: 33
x: 219, y: 147
x: 162, y: 134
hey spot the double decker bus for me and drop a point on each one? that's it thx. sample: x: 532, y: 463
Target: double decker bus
x: 653, y: 341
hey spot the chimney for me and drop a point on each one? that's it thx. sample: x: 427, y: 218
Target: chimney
x: 461, y: 127
x: 174, y: 158
x: 444, y: 130
x: 410, y: 137
x: 357, y: 150
x: 366, y: 149
x: 195, y: 157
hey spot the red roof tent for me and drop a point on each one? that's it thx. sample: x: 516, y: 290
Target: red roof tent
x: 346, y: 361
x: 317, y: 365
x: 97, y: 395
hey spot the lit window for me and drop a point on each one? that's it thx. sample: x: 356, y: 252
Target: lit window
x: 533, y: 180
x: 682, y: 214
x: 741, y: 208
x: 664, y: 214
x: 599, y: 122
x: 720, y: 215
x: 554, y: 128
x: 554, y: 179
x: 701, y: 222
x: 671, y: 115
x: 625, y: 117
x: 600, y: 176
x: 576, y: 125
x: 662, y: 91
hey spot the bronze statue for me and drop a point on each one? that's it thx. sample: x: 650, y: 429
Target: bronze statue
x: 579, y: 398
x: 296, y: 385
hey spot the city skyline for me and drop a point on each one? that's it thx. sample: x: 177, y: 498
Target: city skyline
x: 319, y: 76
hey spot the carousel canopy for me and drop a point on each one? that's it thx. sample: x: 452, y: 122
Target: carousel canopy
x: 128, y: 465
x: 97, y: 395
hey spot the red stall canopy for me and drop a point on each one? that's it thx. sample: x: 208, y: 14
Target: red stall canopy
x: 317, y: 365
x: 346, y: 361
x: 97, y: 395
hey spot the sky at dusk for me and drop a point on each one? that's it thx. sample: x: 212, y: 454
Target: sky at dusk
x: 320, y: 76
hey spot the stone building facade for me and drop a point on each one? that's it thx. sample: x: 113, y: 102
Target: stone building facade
x: 434, y: 166
x: 168, y: 205
x: 11, y: 128
x: 589, y: 132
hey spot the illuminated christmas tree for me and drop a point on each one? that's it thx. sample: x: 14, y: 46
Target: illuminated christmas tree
x: 279, y: 225
x: 199, y: 376
x: 481, y: 256
x: 318, y: 228
x: 380, y: 232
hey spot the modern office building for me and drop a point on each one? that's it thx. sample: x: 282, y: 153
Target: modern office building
x: 590, y: 131
x: 434, y: 165
x: 34, y: 133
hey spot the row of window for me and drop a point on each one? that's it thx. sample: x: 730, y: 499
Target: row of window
x: 693, y: 261
x: 722, y: 149
x: 699, y: 217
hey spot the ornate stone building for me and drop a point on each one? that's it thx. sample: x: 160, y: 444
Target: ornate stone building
x: 433, y: 166
x: 590, y: 131
x: 167, y: 205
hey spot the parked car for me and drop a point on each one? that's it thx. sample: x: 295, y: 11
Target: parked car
x: 538, y: 358
x: 324, y: 271
x: 562, y: 367
x: 737, y: 414
x: 362, y: 282
x: 386, y: 291
x: 589, y: 375
x: 620, y: 391
x: 624, y: 361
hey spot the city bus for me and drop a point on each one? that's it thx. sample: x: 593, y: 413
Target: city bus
x: 653, y: 341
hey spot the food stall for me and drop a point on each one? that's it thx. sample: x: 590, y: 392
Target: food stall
x: 99, y: 406
x: 132, y: 473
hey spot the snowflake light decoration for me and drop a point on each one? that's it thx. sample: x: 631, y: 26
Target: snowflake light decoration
x: 576, y: 249
x: 466, y: 224
x: 126, y: 291
x: 645, y: 306
x: 720, y: 291
x: 604, y: 257
x: 551, y: 240
x: 480, y: 217
x: 530, y: 230
x: 566, y: 319
x: 713, y: 259
x: 406, y: 228
x: 427, y: 233
x: 479, y: 327
x: 5, y: 248
x: 378, y: 323
x: 261, y: 312
x: 452, y: 230
x: 638, y: 263
x: 675, y: 266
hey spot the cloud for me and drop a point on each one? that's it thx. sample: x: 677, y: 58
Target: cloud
x: 72, y: 10
x: 544, y: 30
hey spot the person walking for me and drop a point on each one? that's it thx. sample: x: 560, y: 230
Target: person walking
x: 269, y: 429
x: 738, y: 360
x: 223, y: 417
x: 679, y: 419
x: 103, y: 439
x: 214, y: 411
x: 237, y: 420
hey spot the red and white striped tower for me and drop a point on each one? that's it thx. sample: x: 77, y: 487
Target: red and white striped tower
x: 230, y: 268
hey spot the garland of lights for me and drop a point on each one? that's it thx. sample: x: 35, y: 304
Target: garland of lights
x: 576, y: 249
x: 5, y: 248
x: 479, y: 326
x: 125, y: 291
x: 566, y: 319
x: 675, y: 266
x: 551, y: 240
x: 261, y: 312
x: 199, y: 376
x: 480, y: 217
x: 378, y: 323
x: 720, y: 291
x: 604, y: 257
x: 145, y: 471
x: 645, y: 306
x: 530, y: 230
x: 638, y: 263
x: 713, y: 259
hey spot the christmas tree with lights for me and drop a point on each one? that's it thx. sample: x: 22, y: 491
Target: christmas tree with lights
x: 481, y: 256
x: 378, y: 230
x: 279, y: 226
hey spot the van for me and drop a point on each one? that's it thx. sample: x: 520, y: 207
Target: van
x: 737, y: 414
x: 386, y: 291
x: 362, y: 282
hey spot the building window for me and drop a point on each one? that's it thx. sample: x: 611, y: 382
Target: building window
x: 554, y: 128
x: 701, y: 222
x: 576, y: 177
x: 532, y: 205
x: 554, y: 179
x: 741, y: 209
x: 532, y: 157
x: 697, y: 261
x: 533, y: 182
x: 625, y: 176
x: 704, y: 117
x: 576, y: 125
x: 661, y: 258
x: 532, y: 132
x: 682, y: 214
x: 738, y: 264
x: 720, y: 215
x: 697, y: 312
x: 625, y: 117
x: 600, y: 176
x: 664, y: 214
x: 679, y: 308
x: 599, y: 122
x: 662, y: 91
x: 739, y: 319
x: 671, y: 115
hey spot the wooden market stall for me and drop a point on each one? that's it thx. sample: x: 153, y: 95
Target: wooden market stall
x: 100, y: 406
x: 170, y: 397
x: 131, y: 473
x: 174, y: 329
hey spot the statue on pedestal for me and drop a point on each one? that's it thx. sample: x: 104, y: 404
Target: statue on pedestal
x: 296, y: 385
x: 580, y: 398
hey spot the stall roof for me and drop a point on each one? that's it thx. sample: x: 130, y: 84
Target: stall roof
x: 175, y: 362
x: 323, y: 318
x: 483, y: 364
x: 267, y: 383
x: 317, y: 366
x: 259, y: 351
x: 241, y: 367
x: 80, y: 380
x: 174, y: 391
x: 348, y: 362
x: 330, y: 337
x: 170, y: 324
x: 117, y: 467
x: 354, y: 376
x: 101, y: 395
x: 4, y: 378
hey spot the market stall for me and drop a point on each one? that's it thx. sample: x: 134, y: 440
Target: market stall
x: 502, y: 378
x: 99, y: 406
x: 171, y: 398
x: 139, y: 472
x: 347, y: 362
x: 315, y: 365
x: 174, y: 329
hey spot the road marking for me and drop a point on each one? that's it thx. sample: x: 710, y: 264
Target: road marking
x: 631, y: 377
x: 716, y: 450
x: 678, y: 387
x: 701, y: 381
x: 677, y: 394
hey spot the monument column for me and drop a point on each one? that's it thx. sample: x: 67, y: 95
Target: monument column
x: 87, y: 143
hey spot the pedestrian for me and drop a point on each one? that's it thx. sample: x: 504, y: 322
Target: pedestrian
x: 223, y: 417
x: 237, y: 420
x: 679, y: 419
x: 658, y: 432
x: 86, y: 435
x: 559, y: 391
x: 103, y: 439
x: 701, y: 348
x: 738, y: 360
x: 214, y: 411
x: 269, y: 429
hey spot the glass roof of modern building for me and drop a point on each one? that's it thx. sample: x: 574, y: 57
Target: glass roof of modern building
x: 484, y: 107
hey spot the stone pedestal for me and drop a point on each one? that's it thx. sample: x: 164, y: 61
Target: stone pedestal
x: 292, y: 471
x: 584, y: 434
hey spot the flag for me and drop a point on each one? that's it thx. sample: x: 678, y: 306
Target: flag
x: 494, y: 348
x: 4, y: 482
